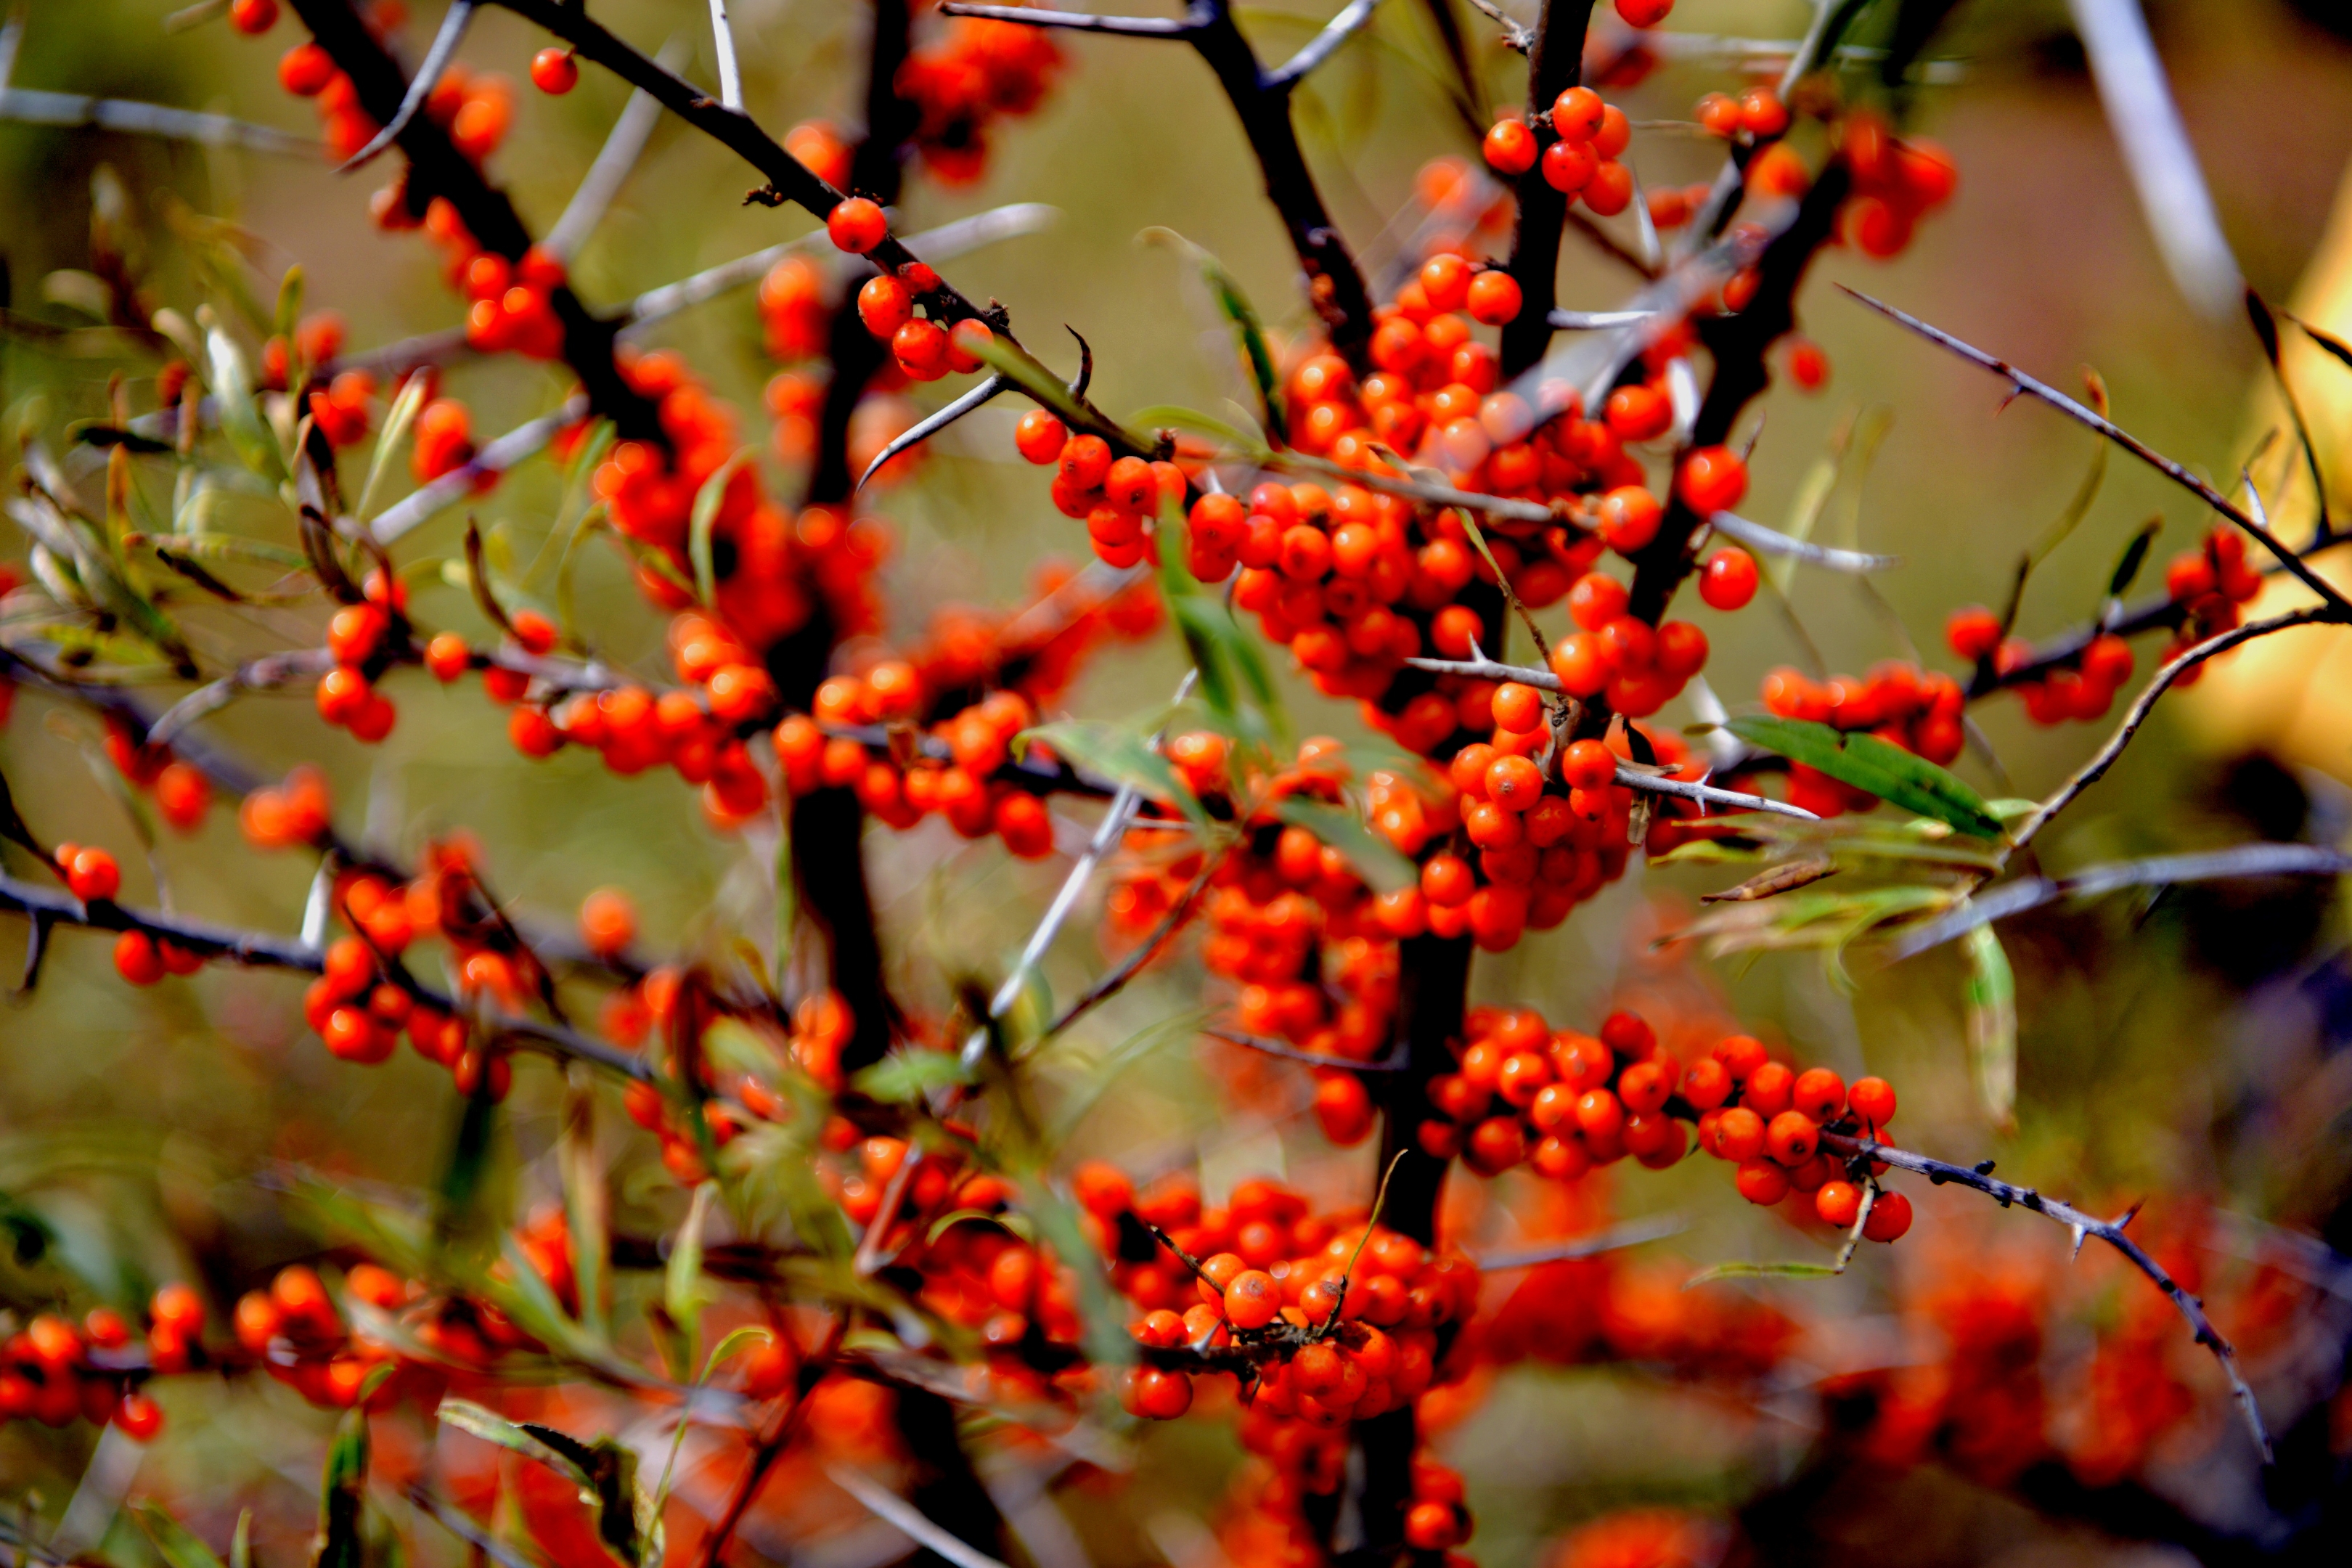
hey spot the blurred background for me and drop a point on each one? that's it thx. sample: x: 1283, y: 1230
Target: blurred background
x: 2187, y: 1046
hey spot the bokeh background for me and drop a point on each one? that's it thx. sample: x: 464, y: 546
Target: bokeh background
x: 2188, y: 1046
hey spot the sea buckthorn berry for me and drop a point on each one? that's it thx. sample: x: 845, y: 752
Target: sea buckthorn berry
x: 1510, y: 147
x: 1513, y: 783
x: 136, y: 958
x: 1740, y: 1054
x: 1729, y: 580
x: 1761, y: 112
x: 1760, y: 1181
x: 856, y: 225
x: 1766, y: 1090
x: 138, y: 1417
x: 1085, y: 462
x: 920, y: 348
x: 1159, y: 1395
x: 92, y: 875
x: 1611, y: 189
x: 1707, y: 1084
x: 1040, y: 435
x: 1639, y: 412
x: 554, y: 71
x: 1517, y: 707
x: 1837, y: 1203
x: 1818, y: 1093
x: 608, y: 921
x: 353, y: 632
x: 1809, y: 365
x: 1494, y: 298
x: 1711, y: 479
x: 885, y: 305
x: 1873, y: 1099
x: 1445, y: 279
x: 1588, y: 764
x: 1718, y: 112
x: 1972, y: 632
x: 1791, y: 1137
x: 305, y: 71
x: 1253, y: 1299
x: 1569, y: 166
x: 967, y: 341
x: 1629, y: 516
x: 1739, y: 1134
x: 1576, y: 114
x: 252, y: 18
x: 1890, y: 1216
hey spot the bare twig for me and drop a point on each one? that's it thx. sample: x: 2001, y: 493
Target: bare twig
x: 1290, y: 1053
x: 615, y: 161
x: 938, y: 419
x: 2129, y: 443
x: 27, y: 106
x: 1484, y: 668
x: 420, y: 88
x: 731, y: 74
x: 1110, y: 984
x: 2091, y: 772
x: 2157, y: 870
x: 2083, y: 1225
x: 1771, y: 541
x: 889, y: 1507
x: 1515, y: 36
x: 1082, y: 22
x: 1630, y: 777
x: 1598, y: 321
x: 1324, y: 44
x: 1632, y: 1233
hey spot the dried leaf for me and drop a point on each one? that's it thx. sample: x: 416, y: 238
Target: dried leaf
x: 1785, y: 877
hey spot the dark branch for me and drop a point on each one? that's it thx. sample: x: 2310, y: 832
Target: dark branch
x: 1555, y: 64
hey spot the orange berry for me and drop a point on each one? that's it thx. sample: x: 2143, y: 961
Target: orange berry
x: 1890, y: 1216
x: 1253, y: 1299
x: 856, y: 225
x: 554, y: 71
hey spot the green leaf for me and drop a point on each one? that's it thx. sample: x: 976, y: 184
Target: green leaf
x: 707, y: 502
x: 174, y: 1542
x: 457, y: 1207
x: 342, y: 1494
x: 1121, y: 755
x: 1375, y: 859
x: 406, y: 406
x: 240, y: 416
x: 1760, y: 1271
x: 587, y: 1206
x: 289, y: 305
x: 476, y: 1421
x: 1992, y: 1026
x: 1867, y: 763
x: 1249, y: 334
x: 240, y: 1545
x: 684, y: 1294
x: 1018, y: 365
x: 1175, y: 416
x: 905, y: 1077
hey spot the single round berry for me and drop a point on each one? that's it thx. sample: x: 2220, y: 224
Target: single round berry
x: 1494, y: 298
x: 1729, y: 580
x: 1890, y: 1216
x: 1712, y: 480
x: 856, y: 225
x: 1510, y: 147
x: 1837, y: 1203
x: 554, y: 71
x: 1873, y: 1099
x: 252, y: 18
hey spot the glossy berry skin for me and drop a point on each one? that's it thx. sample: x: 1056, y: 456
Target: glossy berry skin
x: 1712, y: 480
x: 1972, y: 632
x: 554, y: 71
x: 1040, y: 437
x: 252, y: 18
x: 1837, y: 1203
x: 1873, y: 1099
x: 305, y: 71
x: 1494, y: 298
x: 1890, y: 1216
x: 1729, y: 580
x: 92, y: 875
x: 1510, y: 147
x: 856, y: 225
x: 1253, y: 1299
x: 137, y: 959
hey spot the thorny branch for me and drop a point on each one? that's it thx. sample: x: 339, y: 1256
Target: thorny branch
x: 2084, y: 1227
x: 1555, y: 64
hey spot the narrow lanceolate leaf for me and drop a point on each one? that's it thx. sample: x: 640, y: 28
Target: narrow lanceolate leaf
x: 586, y: 1205
x: 240, y: 416
x: 1375, y: 859
x: 174, y: 1542
x: 2134, y: 557
x: 1992, y: 1026
x: 2334, y: 345
x: 341, y: 1494
x: 1760, y: 1271
x: 1867, y: 763
x: 1786, y: 878
x: 706, y: 502
x: 1249, y: 334
x: 1122, y: 756
x: 683, y: 1292
x: 1230, y: 662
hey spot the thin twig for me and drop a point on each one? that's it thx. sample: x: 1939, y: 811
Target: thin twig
x: 1110, y: 984
x: 1771, y: 541
x: 1324, y: 44
x: 2129, y: 443
x: 1631, y: 777
x: 2084, y: 1226
x: 730, y: 75
x: 1598, y: 321
x: 892, y: 1509
x: 2090, y: 773
x: 420, y: 88
x: 494, y: 458
x: 27, y: 106
x: 615, y: 161
x: 1080, y: 21
x: 1632, y: 1233
x: 1392, y: 1062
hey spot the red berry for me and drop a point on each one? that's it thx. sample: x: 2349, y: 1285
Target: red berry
x: 1729, y: 580
x: 1040, y: 435
x: 856, y: 225
x: 139, y: 1416
x: 1890, y: 1216
x: 1494, y: 298
x: 136, y: 958
x: 1972, y: 632
x: 305, y: 71
x: 92, y: 875
x: 252, y: 18
x: 1510, y: 147
x: 1837, y: 1203
x: 554, y: 71
x: 1712, y: 480
x: 1873, y: 1099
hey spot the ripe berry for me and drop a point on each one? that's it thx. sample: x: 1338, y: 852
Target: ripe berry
x: 1611, y: 189
x: 1712, y: 480
x: 1577, y: 113
x: 1761, y: 112
x: 1588, y: 764
x: 1873, y: 1099
x: 1517, y: 707
x: 136, y: 958
x: 139, y: 1417
x: 1510, y: 147
x: 885, y: 305
x: 1040, y: 437
x: 856, y: 225
x: 1820, y: 1094
x: 1972, y: 632
x: 1739, y: 1134
x: 252, y: 18
x: 1253, y: 1299
x: 1791, y: 1137
x: 305, y: 71
x: 1569, y: 166
x: 554, y: 71
x: 1729, y: 580
x: 608, y: 921
x: 1809, y: 366
x: 1760, y: 1181
x: 92, y: 875
x: 1890, y: 1216
x: 1494, y: 298
x: 1643, y: 13
x: 1629, y: 516
x: 1639, y: 412
x: 1160, y: 1395
x: 1837, y: 1203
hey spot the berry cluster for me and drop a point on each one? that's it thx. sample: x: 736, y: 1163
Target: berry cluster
x: 975, y: 70
x: 181, y: 793
x: 1581, y: 162
x: 1896, y: 701
x: 56, y: 1371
